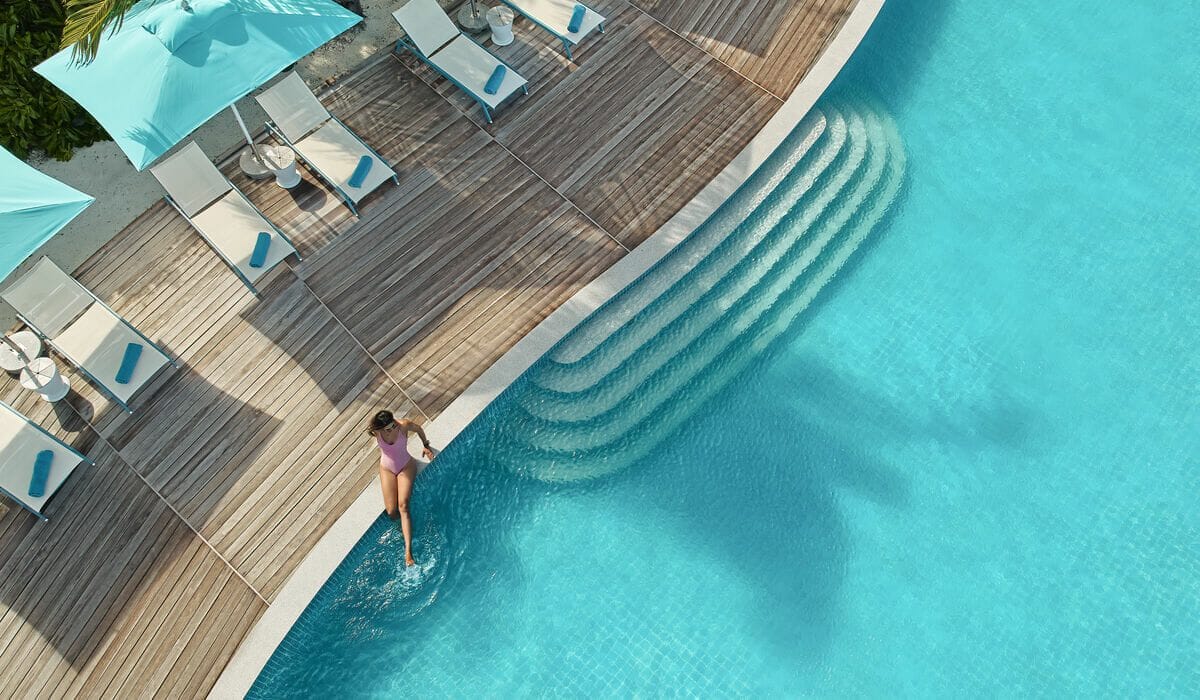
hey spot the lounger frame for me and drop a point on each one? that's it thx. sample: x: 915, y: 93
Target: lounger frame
x: 79, y: 366
x: 82, y: 457
x: 567, y: 43
x: 487, y: 112
x: 278, y: 133
x: 217, y: 249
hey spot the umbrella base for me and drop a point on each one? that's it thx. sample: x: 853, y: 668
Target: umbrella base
x: 472, y: 23
x: 251, y: 167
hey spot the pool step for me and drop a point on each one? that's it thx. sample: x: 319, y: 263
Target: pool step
x: 588, y: 419
x: 822, y: 138
x: 707, y: 297
x: 642, y: 400
x: 570, y: 431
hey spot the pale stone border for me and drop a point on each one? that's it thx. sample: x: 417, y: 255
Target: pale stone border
x: 308, y: 578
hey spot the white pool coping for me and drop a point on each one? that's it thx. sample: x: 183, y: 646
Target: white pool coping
x: 308, y: 578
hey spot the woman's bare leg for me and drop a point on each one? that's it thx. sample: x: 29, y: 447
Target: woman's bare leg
x: 387, y: 481
x: 404, y: 484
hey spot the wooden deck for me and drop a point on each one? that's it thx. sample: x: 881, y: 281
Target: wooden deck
x: 159, y: 559
x: 772, y: 44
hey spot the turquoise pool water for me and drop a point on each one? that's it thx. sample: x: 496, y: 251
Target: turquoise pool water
x: 964, y: 465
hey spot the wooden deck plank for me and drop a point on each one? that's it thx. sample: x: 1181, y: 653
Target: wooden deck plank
x: 246, y: 521
x: 339, y: 471
x: 75, y: 588
x: 84, y: 646
x: 483, y: 326
x: 771, y: 42
x: 36, y: 553
x: 615, y: 158
x: 160, y: 616
x: 288, y: 456
x: 161, y: 645
x: 202, y: 660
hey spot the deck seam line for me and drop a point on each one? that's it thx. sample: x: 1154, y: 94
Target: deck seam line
x: 171, y: 506
x: 359, y: 343
x: 705, y: 51
x: 509, y: 151
x: 565, y: 198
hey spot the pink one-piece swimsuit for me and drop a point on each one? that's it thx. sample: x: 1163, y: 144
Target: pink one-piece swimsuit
x: 394, y: 457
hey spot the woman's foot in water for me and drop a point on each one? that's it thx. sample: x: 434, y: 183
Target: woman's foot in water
x: 409, y: 561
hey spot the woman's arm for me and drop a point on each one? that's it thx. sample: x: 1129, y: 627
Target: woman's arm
x: 410, y: 427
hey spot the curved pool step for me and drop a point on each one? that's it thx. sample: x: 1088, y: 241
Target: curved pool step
x: 697, y: 269
x: 592, y: 418
x: 564, y: 450
x: 818, y: 129
x: 778, y: 239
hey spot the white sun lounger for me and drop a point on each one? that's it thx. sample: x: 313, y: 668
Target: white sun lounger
x: 299, y: 119
x: 21, y: 440
x: 83, y: 329
x: 220, y: 213
x: 434, y: 39
x: 555, y: 17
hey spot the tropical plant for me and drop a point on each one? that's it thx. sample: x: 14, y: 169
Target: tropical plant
x: 33, y: 113
x: 86, y: 22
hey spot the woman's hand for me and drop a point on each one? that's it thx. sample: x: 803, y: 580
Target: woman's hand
x: 427, y: 452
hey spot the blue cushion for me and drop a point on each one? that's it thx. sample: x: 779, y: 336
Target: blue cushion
x: 41, y: 472
x: 258, y: 257
x: 125, y: 372
x: 493, y: 83
x: 360, y: 171
x: 576, y: 18
x: 174, y: 26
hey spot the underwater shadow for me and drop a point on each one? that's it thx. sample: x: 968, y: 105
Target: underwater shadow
x: 771, y: 503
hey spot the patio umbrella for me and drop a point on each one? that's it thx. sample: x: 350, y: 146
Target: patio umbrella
x: 172, y: 65
x: 33, y: 207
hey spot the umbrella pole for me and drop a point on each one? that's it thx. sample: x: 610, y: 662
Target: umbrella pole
x: 246, y: 132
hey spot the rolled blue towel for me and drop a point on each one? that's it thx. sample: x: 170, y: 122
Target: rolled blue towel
x: 258, y: 257
x: 125, y: 372
x: 493, y: 83
x: 360, y: 171
x: 577, y: 16
x: 41, y: 473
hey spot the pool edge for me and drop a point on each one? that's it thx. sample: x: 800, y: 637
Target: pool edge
x: 256, y: 649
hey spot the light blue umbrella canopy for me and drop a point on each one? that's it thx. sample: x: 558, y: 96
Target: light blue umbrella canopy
x: 33, y: 207
x: 168, y: 69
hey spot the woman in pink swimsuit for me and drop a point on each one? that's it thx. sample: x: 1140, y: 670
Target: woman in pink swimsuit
x: 396, y: 470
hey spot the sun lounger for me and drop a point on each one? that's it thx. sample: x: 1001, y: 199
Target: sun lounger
x: 33, y: 463
x: 85, y: 331
x: 567, y: 20
x: 334, y: 152
x: 434, y: 39
x: 221, y: 214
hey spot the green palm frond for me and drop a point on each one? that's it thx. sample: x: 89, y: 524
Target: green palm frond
x: 86, y: 23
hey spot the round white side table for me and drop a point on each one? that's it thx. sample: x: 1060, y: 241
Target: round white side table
x: 28, y: 342
x: 43, y: 377
x: 500, y: 19
x: 282, y: 161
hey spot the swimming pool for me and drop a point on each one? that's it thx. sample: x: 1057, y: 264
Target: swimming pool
x: 915, y: 414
